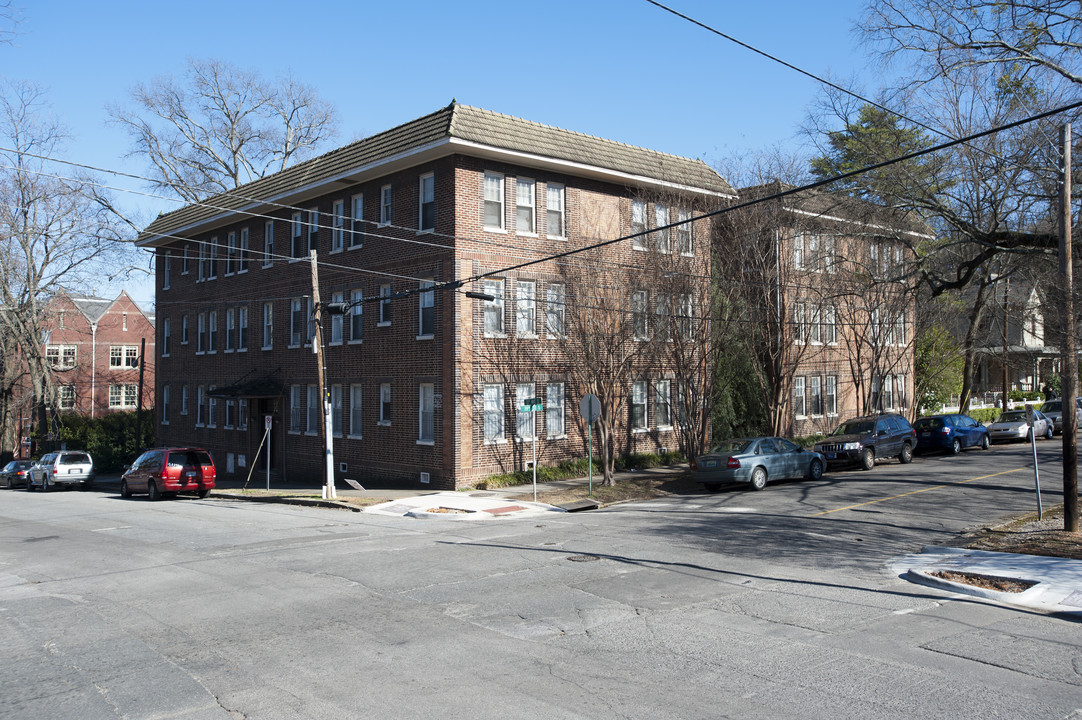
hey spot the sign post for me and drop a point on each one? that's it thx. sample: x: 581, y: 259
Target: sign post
x: 1033, y: 442
x: 590, y: 409
x: 532, y: 405
x: 268, y: 421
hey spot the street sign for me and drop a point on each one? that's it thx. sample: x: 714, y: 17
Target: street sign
x: 531, y: 405
x: 590, y: 409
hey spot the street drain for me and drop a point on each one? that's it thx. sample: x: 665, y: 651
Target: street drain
x: 583, y: 558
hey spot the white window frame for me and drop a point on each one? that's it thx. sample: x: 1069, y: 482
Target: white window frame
x: 313, y: 231
x: 800, y: 323
x: 492, y: 201
x: 426, y: 194
x: 685, y: 233
x: 386, y: 405
x: 493, y: 309
x: 798, y: 250
x: 165, y: 402
x: 356, y: 411
x: 200, y: 406
x: 242, y: 328
x: 386, y: 207
x: 230, y: 330
x: 336, y: 411
x: 663, y: 404
x: 664, y: 237
x: 243, y: 251
x: 123, y: 396
x: 296, y: 236
x: 830, y: 395
x: 384, y: 305
x: 815, y: 394
x: 555, y: 422
x: 555, y: 202
x: 640, y: 322
x: 268, y: 243
x: 166, y: 337
x: 526, y: 308
x: 494, y: 422
x: 426, y: 410
x: 230, y: 253
x: 337, y: 321
x: 638, y: 225
x: 268, y: 325
x: 555, y: 310
x: 67, y: 398
x: 640, y: 418
x: 356, y: 316
x: 184, y: 329
x: 167, y: 269
x: 338, y: 226
x: 525, y: 206
x: 356, y: 236
x: 314, y: 410
x: 525, y: 422
x: 297, y: 322
x: 184, y: 399
x: 426, y: 301
x: 295, y: 409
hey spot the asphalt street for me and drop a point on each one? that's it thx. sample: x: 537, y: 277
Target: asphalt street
x: 775, y: 604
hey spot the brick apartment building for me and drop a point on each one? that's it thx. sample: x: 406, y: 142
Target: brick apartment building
x: 838, y: 279
x: 425, y: 384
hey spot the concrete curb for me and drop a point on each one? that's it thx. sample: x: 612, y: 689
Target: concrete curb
x: 287, y: 500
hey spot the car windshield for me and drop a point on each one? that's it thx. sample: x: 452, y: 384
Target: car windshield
x: 731, y: 447
x: 1051, y: 406
x: 75, y: 459
x: 1013, y: 416
x: 854, y: 427
x: 929, y: 424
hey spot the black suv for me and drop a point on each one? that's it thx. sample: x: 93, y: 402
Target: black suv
x: 865, y: 439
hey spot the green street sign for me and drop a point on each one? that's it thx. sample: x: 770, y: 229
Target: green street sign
x: 531, y: 405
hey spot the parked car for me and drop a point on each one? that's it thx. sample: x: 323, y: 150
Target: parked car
x: 71, y: 468
x: 14, y: 473
x: 756, y: 461
x: 1053, y: 410
x: 951, y: 432
x: 1013, y: 425
x: 866, y: 439
x: 169, y: 470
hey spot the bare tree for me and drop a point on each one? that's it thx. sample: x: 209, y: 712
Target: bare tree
x: 221, y: 126
x: 56, y: 234
x: 9, y: 22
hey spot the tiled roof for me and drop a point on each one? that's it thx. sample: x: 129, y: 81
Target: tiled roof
x: 92, y: 307
x: 467, y: 125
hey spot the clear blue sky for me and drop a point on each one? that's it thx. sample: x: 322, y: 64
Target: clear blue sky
x: 619, y: 69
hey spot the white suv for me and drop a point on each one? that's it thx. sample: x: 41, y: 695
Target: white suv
x: 67, y: 467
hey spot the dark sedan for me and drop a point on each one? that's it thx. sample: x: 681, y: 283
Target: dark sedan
x: 14, y: 473
x: 951, y: 432
x: 756, y: 461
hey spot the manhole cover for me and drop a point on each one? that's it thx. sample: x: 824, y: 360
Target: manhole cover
x: 583, y: 558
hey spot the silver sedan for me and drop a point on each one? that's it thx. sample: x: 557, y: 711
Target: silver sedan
x: 756, y: 461
x: 1013, y: 425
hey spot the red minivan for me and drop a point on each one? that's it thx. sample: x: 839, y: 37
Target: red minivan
x: 169, y: 470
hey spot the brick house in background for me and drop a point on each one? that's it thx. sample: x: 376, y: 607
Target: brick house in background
x: 425, y: 384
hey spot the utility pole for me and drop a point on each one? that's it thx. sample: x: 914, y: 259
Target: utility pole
x: 324, y: 396
x: 1069, y: 361
x: 1006, y: 337
x: 139, y: 399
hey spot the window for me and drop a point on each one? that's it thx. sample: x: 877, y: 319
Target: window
x: 230, y: 414
x: 554, y: 410
x: 60, y: 356
x: 295, y: 408
x: 200, y: 407
x: 638, y: 225
x: 814, y: 330
x: 230, y: 329
x: 661, y: 219
x: 385, y: 403
x: 874, y: 397
x: 663, y: 403
x: 493, y: 201
x: 888, y: 392
x: 426, y: 413
x: 184, y: 260
x: 242, y: 328
x: 297, y: 322
x: 525, y: 426
x: 813, y: 258
x: 125, y: 322
x: 183, y: 399
x: 315, y: 411
x: 231, y: 253
x: 899, y: 328
x: 122, y: 396
x: 355, y: 418
x: 828, y: 318
x: 426, y: 320
x: 356, y: 236
x: 524, y: 205
x: 554, y: 311
x: 337, y: 320
x: 638, y: 314
x: 268, y: 325
x: 313, y: 230
x: 123, y: 356
x: 426, y: 220
x: 165, y: 337
x: 310, y: 325
x: 494, y: 308
x: 296, y: 247
x: 356, y: 316
x: 242, y: 251
x: 183, y: 329
x: 385, y: 305
x: 212, y: 409
x: 903, y: 402
x: 525, y: 308
x: 873, y: 326
x: 798, y: 251
x: 268, y: 243
x: 212, y: 259
x: 336, y: 410
x: 638, y: 405
x: 831, y: 394
x: 212, y: 331
x: 685, y: 234
x: 385, y: 215
x: 165, y: 403
x: 798, y: 397
x: 242, y: 414
x: 167, y: 270
x: 828, y: 246
x: 687, y: 316
x: 800, y: 327
x: 67, y: 399
x: 338, y: 225
x: 815, y: 395
x: 493, y: 409
x: 664, y: 317
x: 555, y: 211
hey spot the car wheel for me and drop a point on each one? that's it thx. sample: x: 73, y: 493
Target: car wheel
x: 11, y: 483
x: 815, y: 469
x: 985, y: 443
x: 45, y: 483
x: 153, y: 493
x: 125, y: 491
x: 203, y: 493
x: 956, y: 446
x: 867, y: 458
x: 758, y: 478
x: 906, y: 455
x: 1047, y: 432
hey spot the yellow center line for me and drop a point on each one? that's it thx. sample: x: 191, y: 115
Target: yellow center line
x: 914, y: 492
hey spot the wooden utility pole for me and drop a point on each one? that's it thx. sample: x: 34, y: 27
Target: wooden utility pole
x: 1069, y: 360
x: 139, y: 398
x: 324, y: 398
x: 1006, y: 337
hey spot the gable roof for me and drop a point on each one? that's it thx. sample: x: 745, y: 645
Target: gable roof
x: 453, y: 129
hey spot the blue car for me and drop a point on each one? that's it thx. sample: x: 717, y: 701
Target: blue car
x: 951, y: 432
